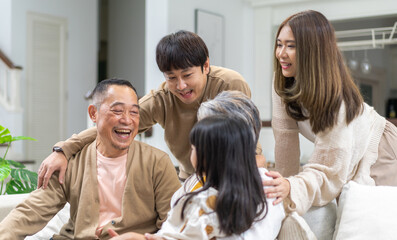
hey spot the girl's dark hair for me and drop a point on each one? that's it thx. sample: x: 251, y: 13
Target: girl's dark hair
x: 225, y: 150
x: 181, y: 50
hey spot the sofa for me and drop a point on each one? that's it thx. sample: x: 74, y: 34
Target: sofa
x: 9, y: 202
x: 362, y: 212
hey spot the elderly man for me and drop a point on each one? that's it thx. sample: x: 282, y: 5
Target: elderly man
x: 113, y: 183
x: 189, y: 80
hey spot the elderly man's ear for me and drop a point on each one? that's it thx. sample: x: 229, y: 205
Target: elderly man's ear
x: 92, y: 112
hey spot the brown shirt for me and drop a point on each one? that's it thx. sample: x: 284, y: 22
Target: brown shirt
x: 177, y: 118
x: 151, y: 182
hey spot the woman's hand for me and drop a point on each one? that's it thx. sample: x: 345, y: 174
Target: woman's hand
x: 278, y: 188
x: 56, y: 161
x: 125, y: 236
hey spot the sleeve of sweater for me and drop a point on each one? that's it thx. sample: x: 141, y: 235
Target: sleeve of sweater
x: 152, y: 109
x: 322, y: 178
x: 238, y: 83
x: 286, y: 136
x: 33, y: 214
x: 77, y: 141
x: 166, y: 183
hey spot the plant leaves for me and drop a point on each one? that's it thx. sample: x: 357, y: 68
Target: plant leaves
x: 22, y: 138
x: 17, y: 187
x: 23, y: 181
x: 4, y: 170
x: 4, y: 131
x: 16, y: 164
x: 4, y: 135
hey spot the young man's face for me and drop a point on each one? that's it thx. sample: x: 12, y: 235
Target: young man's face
x: 117, y: 120
x: 187, y: 84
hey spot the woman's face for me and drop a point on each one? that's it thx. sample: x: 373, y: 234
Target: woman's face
x: 285, y: 51
x: 193, y: 157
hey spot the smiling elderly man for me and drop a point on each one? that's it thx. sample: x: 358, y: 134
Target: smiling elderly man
x: 114, y: 182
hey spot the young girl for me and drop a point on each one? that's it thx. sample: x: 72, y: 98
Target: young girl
x: 231, y: 203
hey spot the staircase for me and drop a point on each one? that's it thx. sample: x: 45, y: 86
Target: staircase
x: 10, y: 78
x: 11, y: 110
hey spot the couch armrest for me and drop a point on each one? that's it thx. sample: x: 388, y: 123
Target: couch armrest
x: 9, y: 202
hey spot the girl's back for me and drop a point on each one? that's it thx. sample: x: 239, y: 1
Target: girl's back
x: 200, y: 216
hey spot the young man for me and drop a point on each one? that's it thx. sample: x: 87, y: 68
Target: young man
x: 113, y: 183
x: 189, y: 80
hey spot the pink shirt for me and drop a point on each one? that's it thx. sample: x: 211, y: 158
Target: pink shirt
x: 111, y: 184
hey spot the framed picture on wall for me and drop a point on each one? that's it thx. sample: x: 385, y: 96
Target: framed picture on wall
x: 210, y: 27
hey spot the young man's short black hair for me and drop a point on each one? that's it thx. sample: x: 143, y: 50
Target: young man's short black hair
x: 181, y: 50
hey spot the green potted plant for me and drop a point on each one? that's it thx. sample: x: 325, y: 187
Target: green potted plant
x: 21, y: 180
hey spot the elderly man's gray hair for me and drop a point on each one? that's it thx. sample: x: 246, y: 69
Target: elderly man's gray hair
x: 234, y: 104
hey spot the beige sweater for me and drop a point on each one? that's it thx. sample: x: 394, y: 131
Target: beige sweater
x: 176, y: 117
x: 343, y: 153
x: 151, y: 182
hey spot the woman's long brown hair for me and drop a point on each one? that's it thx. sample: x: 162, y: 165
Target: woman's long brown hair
x: 322, y: 81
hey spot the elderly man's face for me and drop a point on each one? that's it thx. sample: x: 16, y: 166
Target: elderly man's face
x: 117, y: 121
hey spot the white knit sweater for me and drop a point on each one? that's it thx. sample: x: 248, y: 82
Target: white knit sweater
x: 343, y: 153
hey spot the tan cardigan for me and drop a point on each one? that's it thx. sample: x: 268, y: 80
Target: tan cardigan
x: 343, y: 153
x: 151, y: 182
x: 176, y: 117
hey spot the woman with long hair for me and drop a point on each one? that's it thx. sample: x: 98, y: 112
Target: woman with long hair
x: 315, y: 95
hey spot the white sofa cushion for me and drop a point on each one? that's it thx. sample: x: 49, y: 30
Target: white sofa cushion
x: 366, y: 212
x: 321, y: 220
x: 9, y: 202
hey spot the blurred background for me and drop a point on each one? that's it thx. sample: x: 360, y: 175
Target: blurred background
x: 53, y: 52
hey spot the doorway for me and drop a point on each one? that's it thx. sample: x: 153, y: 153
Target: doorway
x: 46, y: 80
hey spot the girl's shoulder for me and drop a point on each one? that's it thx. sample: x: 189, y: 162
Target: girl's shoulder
x: 205, y: 200
x: 262, y: 172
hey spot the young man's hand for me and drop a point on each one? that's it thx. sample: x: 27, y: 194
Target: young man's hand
x: 56, y: 161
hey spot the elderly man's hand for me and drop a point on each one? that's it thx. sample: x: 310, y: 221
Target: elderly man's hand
x: 125, y: 236
x: 152, y: 237
x: 56, y: 161
x: 279, y: 187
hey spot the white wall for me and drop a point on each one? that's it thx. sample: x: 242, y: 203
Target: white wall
x: 5, y: 27
x: 126, y: 42
x: 82, y: 49
x: 81, y: 52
